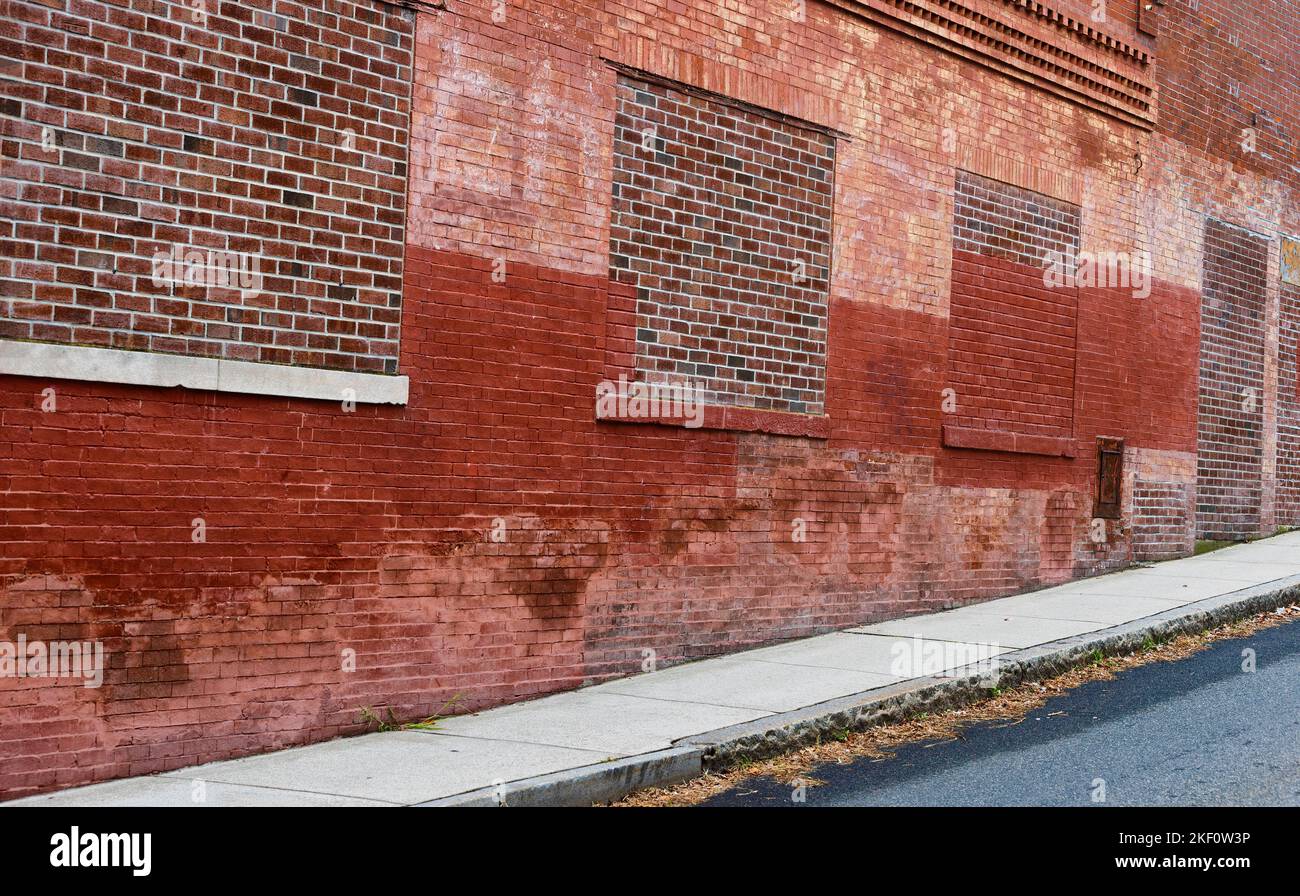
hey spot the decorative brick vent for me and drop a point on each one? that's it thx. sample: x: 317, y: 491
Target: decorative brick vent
x: 1231, y: 395
x: 1011, y: 346
x: 721, y: 222
x: 226, y: 183
x: 1062, y: 50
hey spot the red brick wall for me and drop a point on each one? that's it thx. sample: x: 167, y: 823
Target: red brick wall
x: 1230, y: 433
x: 491, y: 540
x: 1226, y: 67
x: 1011, y: 336
x: 1230, y: 103
x: 1288, y: 408
x: 1161, y: 512
x: 135, y: 129
x: 721, y: 223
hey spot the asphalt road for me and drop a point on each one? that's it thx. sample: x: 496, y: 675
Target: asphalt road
x: 1198, y: 732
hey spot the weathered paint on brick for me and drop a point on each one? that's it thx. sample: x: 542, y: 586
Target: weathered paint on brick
x: 492, y: 540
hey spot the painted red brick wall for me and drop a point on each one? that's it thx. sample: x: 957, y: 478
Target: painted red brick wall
x: 1161, y: 511
x: 1011, y: 333
x: 491, y: 540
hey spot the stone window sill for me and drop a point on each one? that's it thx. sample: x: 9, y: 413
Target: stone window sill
x: 104, y: 365
x: 999, y: 440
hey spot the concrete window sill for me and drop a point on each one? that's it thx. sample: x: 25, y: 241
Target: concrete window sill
x: 104, y: 365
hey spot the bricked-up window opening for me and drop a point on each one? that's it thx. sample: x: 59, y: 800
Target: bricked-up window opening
x: 1110, y: 479
x: 721, y: 223
x: 1230, y: 423
x: 232, y: 186
x: 1011, y: 344
x: 1288, y: 393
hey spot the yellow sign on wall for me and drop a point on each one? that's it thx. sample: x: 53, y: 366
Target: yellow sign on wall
x: 1291, y: 261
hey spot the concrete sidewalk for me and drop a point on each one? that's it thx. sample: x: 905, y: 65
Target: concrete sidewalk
x: 601, y: 742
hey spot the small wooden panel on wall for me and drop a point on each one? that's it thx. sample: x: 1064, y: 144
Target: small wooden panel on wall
x: 1291, y: 260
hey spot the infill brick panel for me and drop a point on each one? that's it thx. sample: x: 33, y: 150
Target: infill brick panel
x: 1012, y: 337
x: 721, y: 222
x: 1288, y: 407
x: 1231, y: 394
x: 226, y: 137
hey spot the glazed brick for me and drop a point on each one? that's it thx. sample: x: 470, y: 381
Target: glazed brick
x: 1288, y: 408
x: 720, y: 221
x: 141, y: 127
x: 1232, y: 399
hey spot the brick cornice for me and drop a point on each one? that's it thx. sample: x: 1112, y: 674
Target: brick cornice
x: 1032, y: 42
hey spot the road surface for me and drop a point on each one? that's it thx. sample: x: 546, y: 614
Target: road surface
x: 1197, y: 732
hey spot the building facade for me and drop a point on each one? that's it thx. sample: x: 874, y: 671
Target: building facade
x: 364, y: 359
